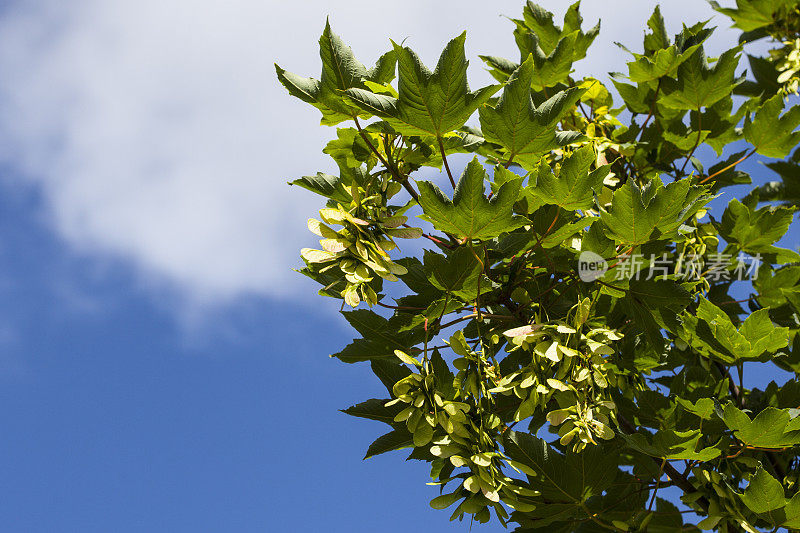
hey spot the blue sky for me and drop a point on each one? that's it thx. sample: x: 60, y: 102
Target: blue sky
x: 114, y: 421
x: 161, y: 368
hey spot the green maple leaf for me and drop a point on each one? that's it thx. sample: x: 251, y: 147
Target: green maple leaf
x: 374, y: 410
x: 727, y: 174
x: 764, y: 493
x: 325, y: 185
x: 456, y: 274
x: 540, y: 21
x: 720, y: 123
x: 657, y: 38
x: 673, y: 445
x: 750, y: 15
x: 554, y: 49
x: 771, y: 428
x: 754, y: 230
x: 380, y: 337
x: 574, y: 187
x: 524, y: 130
x: 570, y: 478
x: 663, y: 63
x: 649, y: 300
x: 777, y: 287
x: 712, y: 333
x: 396, y: 439
x: 700, y: 84
x: 340, y: 71
x: 637, y: 213
x: 428, y: 103
x: 788, y: 189
x: 771, y: 134
x: 349, y: 149
x: 765, y: 496
x: 766, y: 75
x: 638, y: 98
x: 550, y: 69
x: 662, y: 58
x: 470, y: 215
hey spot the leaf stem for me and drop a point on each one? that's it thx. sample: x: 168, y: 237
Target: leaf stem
x: 403, y: 181
x: 697, y: 142
x: 444, y: 159
x: 680, y: 480
x: 475, y: 315
x: 549, y: 229
x: 438, y: 241
x: 718, y: 172
x: 658, y: 480
x: 593, y: 518
x: 400, y: 307
x: 652, y: 110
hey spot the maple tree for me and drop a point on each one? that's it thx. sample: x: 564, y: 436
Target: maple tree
x: 542, y: 395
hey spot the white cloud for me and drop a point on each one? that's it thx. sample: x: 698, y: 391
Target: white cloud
x: 158, y: 134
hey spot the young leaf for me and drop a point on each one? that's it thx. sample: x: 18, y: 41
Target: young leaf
x: 540, y: 21
x: 550, y: 69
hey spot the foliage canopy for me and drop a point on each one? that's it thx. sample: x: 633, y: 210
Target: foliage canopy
x: 573, y: 340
